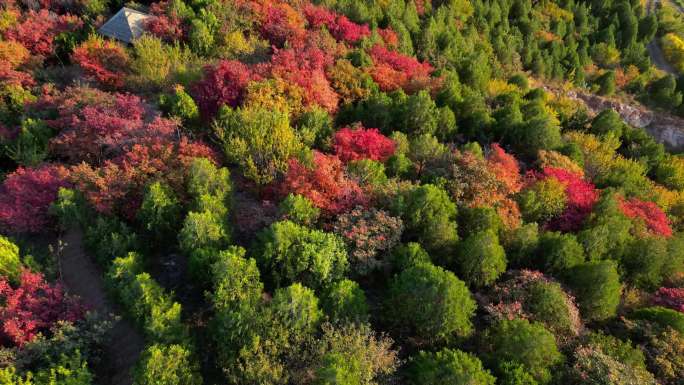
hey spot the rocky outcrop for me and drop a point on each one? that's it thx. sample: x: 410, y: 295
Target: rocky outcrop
x: 666, y: 128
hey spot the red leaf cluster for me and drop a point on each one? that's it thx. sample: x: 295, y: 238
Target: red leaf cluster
x: 581, y: 195
x: 37, y: 30
x: 339, y: 25
x: 96, y: 125
x: 325, y: 184
x: 26, y: 195
x: 672, y: 298
x: 119, y: 184
x: 281, y: 23
x: 393, y: 70
x: 360, y: 143
x: 103, y: 61
x: 33, y: 307
x: 223, y: 84
x: 505, y: 167
x: 9, y: 75
x: 653, y: 216
x: 165, y: 24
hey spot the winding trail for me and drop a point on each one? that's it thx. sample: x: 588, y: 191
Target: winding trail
x: 82, y: 277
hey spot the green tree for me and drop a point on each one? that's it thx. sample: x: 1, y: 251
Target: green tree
x: 298, y: 209
x: 606, y: 83
x: 448, y: 367
x: 294, y: 253
x: 558, y: 252
x: 481, y: 259
x: 10, y: 264
x: 524, y: 343
x: 159, y: 212
x: 345, y: 301
x: 167, y: 365
x: 597, y: 288
x: 260, y: 141
x: 431, y: 303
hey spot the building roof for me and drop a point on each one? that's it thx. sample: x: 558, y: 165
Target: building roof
x: 126, y: 25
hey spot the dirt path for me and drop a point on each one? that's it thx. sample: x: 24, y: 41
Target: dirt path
x: 654, y: 50
x: 83, y: 278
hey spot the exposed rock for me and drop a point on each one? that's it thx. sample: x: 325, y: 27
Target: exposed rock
x: 665, y: 128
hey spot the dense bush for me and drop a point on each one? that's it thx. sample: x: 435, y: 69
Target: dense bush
x: 431, y: 302
x: 525, y: 343
x: 168, y: 365
x: 597, y: 287
x: 481, y: 259
x: 290, y: 253
x: 448, y: 367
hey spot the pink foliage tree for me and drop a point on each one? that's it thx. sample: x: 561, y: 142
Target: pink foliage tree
x: 339, y: 25
x: 672, y: 298
x: 32, y: 307
x: 359, y: 143
x: 37, y: 30
x: 26, y: 195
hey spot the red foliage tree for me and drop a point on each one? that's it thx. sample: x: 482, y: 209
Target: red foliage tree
x: 9, y: 75
x: 305, y: 67
x: 281, y: 23
x: 669, y: 297
x: 32, y: 307
x: 37, y: 30
x: 653, y: 216
x: 505, y: 167
x: 360, y: 143
x: 581, y: 197
x: 393, y: 70
x: 165, y: 23
x: 103, y: 61
x: 224, y: 84
x: 339, y: 25
x: 118, y: 186
x: 26, y: 195
x: 325, y: 184
x: 98, y: 125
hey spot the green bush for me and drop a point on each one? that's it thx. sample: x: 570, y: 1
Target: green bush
x: 290, y: 252
x: 108, y: 238
x: 549, y: 304
x: 298, y: 209
x: 10, y: 264
x: 521, y: 342
x: 448, y: 367
x: 473, y: 220
x: 542, y: 201
x: 159, y: 212
x: 662, y: 317
x: 481, y: 259
x: 345, y: 301
x: 511, y: 373
x: 597, y: 288
x: 296, y: 309
x: 521, y: 244
x: 167, y: 365
x: 644, y: 262
x: 407, y: 255
x: 430, y: 302
x: 202, y: 230
x: 558, y: 252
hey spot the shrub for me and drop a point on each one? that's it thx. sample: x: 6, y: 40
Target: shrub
x: 653, y: 216
x: 359, y: 143
x: 202, y: 230
x: 429, y: 217
x: 10, y: 264
x: 103, y: 61
x: 260, y: 141
x: 224, y: 84
x: 597, y: 287
x: 481, y: 258
x: 180, y: 104
x: 167, y: 365
x: 558, y: 252
x: 160, y: 211
x: 670, y: 172
x: 448, y: 367
x: 406, y: 255
x: 662, y: 317
x: 521, y: 244
x: 345, y: 301
x: 431, y: 303
x: 528, y: 344
x: 296, y: 308
x: 644, y: 262
x: 594, y: 366
x: 294, y: 253
x: 34, y: 306
x: 368, y: 234
x: 543, y: 200
x: 298, y: 209
x: 672, y: 298
x: 473, y: 220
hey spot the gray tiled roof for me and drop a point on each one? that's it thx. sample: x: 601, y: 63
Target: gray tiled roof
x: 126, y: 25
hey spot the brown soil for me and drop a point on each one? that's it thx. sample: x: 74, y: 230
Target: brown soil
x: 82, y: 277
